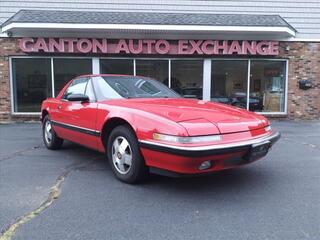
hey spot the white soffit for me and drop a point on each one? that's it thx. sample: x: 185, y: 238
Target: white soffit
x: 138, y: 30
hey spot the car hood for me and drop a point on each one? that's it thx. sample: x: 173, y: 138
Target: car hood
x: 197, y: 113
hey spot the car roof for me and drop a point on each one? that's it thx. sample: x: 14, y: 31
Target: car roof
x: 108, y: 75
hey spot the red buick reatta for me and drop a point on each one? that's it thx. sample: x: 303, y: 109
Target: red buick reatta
x: 143, y: 126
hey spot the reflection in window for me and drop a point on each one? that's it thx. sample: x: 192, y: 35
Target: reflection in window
x: 157, y: 69
x: 103, y: 89
x: 116, y: 66
x: 186, y: 77
x: 229, y: 83
x: 67, y: 69
x: 90, y: 92
x: 31, y: 83
x: 267, y: 83
x: 78, y: 86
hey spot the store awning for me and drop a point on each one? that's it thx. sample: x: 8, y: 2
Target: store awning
x: 41, y: 23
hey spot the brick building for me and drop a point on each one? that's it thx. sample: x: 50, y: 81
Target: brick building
x: 263, y: 57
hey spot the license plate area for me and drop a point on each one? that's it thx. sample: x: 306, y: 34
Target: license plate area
x: 257, y: 151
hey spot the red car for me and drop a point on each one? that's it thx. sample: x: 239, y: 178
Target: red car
x: 143, y: 127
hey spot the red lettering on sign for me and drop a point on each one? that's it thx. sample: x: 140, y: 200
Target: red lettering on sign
x: 182, y: 47
x: 122, y: 47
x: 235, y: 48
x: 135, y: 49
x: 162, y: 47
x: 56, y: 46
x: 26, y: 44
x: 149, y: 46
x: 195, y: 47
x: 208, y: 47
x: 223, y: 47
x: 102, y: 46
x: 41, y: 45
x: 84, y: 45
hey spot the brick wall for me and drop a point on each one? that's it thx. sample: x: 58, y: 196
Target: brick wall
x: 304, y: 64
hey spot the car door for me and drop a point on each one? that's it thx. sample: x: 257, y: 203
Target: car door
x: 76, y: 120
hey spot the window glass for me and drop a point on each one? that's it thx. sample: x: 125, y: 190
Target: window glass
x: 116, y: 66
x: 78, y: 86
x: 131, y: 87
x: 31, y: 83
x: 103, y: 89
x: 157, y: 69
x: 229, y: 83
x: 267, y: 83
x: 187, y: 77
x: 67, y: 69
x: 89, y: 91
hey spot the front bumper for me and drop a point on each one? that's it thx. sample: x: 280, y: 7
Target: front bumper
x: 208, y: 150
x: 186, y: 160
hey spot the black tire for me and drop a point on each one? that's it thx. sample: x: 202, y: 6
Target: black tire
x: 55, y: 142
x: 137, y: 171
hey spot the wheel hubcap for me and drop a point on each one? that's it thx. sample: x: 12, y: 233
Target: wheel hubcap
x: 121, y: 155
x: 48, y: 132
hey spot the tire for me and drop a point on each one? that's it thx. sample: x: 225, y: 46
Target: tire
x: 50, y: 138
x: 124, y: 155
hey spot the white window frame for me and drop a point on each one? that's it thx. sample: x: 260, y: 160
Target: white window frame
x: 206, y: 75
x: 13, y: 112
x: 285, y: 112
x: 249, y: 60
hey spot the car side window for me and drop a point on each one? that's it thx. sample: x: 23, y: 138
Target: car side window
x: 78, y: 86
x: 90, y: 92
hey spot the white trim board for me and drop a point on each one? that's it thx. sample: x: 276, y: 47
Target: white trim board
x: 197, y: 28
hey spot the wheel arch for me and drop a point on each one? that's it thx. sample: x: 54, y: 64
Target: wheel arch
x: 110, y: 124
x: 44, y: 113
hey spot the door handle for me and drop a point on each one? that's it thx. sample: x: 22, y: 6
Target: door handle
x: 59, y: 107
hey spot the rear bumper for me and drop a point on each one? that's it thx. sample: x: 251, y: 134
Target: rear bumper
x: 186, y: 160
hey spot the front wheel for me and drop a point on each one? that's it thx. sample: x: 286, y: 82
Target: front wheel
x: 50, y: 138
x: 124, y: 155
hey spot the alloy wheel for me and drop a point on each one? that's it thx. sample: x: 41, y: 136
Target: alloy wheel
x: 121, y: 155
x: 48, y: 132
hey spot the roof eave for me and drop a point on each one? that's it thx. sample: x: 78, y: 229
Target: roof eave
x: 19, y: 27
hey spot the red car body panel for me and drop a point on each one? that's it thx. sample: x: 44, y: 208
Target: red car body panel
x: 178, y: 117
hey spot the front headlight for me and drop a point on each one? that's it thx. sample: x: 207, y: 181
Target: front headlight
x: 268, y: 128
x: 177, y: 139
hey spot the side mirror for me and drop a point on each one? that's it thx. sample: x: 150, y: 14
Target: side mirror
x: 78, y: 98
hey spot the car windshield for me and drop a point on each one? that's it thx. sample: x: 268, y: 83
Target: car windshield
x: 136, y: 87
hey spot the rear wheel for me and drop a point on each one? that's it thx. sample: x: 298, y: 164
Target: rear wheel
x: 124, y: 155
x: 50, y: 138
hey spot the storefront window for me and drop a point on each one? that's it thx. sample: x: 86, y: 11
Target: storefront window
x: 187, y: 77
x: 157, y: 69
x: 267, y: 83
x: 229, y: 82
x: 31, y: 83
x: 116, y: 66
x: 66, y: 69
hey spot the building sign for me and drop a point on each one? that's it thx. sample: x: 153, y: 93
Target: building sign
x: 148, y: 47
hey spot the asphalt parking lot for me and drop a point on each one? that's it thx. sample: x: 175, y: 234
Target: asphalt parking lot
x: 72, y: 194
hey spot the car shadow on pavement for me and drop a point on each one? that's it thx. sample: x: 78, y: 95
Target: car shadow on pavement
x: 245, y: 177
x: 250, y: 176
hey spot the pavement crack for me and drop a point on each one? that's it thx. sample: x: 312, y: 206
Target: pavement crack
x: 18, y: 153
x: 55, y: 192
